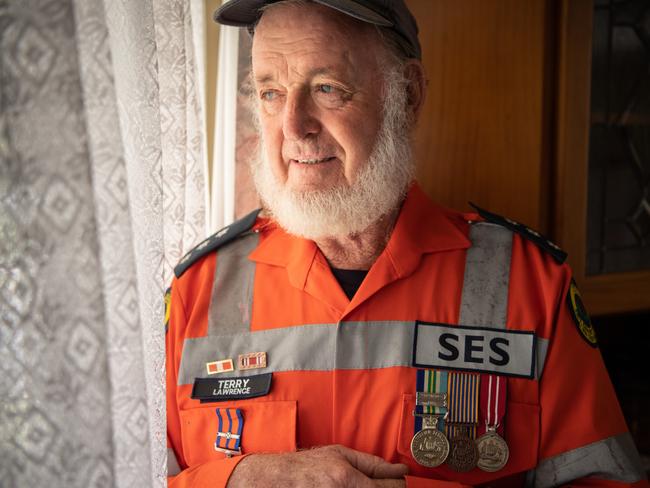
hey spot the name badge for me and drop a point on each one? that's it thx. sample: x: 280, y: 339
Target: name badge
x: 477, y: 349
x: 225, y: 389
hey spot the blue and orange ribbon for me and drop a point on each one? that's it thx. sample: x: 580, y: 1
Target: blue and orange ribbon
x: 229, y: 438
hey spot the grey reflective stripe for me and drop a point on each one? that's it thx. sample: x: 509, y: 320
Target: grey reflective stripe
x: 322, y: 347
x: 173, y: 467
x: 484, y: 300
x: 232, y: 294
x: 371, y: 345
x: 614, y: 458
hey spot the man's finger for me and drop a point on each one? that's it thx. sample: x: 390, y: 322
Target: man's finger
x: 372, y: 466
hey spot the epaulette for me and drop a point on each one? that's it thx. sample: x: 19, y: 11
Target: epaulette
x: 550, y: 247
x: 215, y: 241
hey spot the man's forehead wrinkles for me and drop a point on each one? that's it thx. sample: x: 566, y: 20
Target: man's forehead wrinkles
x: 290, y: 39
x: 266, y: 65
x: 298, y: 49
x: 284, y: 28
x: 269, y: 66
x: 294, y: 45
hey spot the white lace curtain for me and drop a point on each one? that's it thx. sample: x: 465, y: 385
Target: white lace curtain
x: 102, y: 189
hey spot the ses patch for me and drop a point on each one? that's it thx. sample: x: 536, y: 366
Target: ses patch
x: 580, y: 315
x: 476, y: 349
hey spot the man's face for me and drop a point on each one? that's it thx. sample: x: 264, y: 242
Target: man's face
x: 317, y: 77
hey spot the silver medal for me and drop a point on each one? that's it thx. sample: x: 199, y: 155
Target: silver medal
x: 493, y: 452
x: 430, y: 447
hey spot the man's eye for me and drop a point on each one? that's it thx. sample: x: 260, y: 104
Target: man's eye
x: 331, y: 93
x: 269, y: 95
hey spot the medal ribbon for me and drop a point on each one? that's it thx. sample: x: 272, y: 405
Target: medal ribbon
x: 430, y: 381
x: 231, y: 424
x: 493, y: 403
x: 463, y: 390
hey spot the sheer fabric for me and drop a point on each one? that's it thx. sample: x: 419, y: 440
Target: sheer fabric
x: 102, y: 189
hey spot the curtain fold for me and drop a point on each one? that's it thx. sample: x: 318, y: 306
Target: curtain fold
x: 222, y: 210
x: 125, y: 349
x: 102, y: 190
x: 55, y: 416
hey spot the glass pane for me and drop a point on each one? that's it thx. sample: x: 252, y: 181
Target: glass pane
x: 618, y: 220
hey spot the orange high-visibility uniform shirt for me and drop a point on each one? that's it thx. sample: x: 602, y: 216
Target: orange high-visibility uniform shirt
x: 564, y: 415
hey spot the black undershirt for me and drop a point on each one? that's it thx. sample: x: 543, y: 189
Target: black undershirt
x: 349, y: 279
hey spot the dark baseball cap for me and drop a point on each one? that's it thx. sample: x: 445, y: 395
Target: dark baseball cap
x: 391, y: 14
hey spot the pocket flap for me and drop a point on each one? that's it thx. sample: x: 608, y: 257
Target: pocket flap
x: 267, y: 427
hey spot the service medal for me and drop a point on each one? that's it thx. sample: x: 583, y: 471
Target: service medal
x: 463, y: 389
x: 430, y: 447
x: 463, y: 454
x: 493, y: 452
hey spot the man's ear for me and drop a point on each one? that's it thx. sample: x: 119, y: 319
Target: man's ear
x: 416, y: 88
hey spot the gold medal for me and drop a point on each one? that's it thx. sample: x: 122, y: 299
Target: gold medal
x: 493, y: 452
x: 430, y: 447
x: 463, y: 454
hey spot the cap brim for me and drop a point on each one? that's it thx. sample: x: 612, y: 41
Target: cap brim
x: 244, y: 13
x: 241, y: 13
x: 357, y: 11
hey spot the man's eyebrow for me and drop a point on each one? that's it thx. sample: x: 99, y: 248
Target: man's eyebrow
x: 326, y: 70
x: 263, y: 78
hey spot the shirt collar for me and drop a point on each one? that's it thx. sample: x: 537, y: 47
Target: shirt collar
x: 422, y: 227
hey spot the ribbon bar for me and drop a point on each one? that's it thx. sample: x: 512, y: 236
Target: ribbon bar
x: 231, y: 423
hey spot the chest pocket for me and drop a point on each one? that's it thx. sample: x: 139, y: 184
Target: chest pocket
x: 268, y: 426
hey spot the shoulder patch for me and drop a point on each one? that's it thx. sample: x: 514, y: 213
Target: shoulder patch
x: 215, y: 241
x: 580, y: 315
x: 550, y: 247
x: 168, y: 304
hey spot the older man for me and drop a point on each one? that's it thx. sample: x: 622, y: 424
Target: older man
x: 357, y: 334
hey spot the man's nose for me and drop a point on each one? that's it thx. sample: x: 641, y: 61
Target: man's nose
x: 299, y: 119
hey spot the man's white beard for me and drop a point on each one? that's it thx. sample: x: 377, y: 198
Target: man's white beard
x: 378, y: 188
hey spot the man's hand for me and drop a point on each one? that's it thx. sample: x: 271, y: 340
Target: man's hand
x: 327, y: 467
